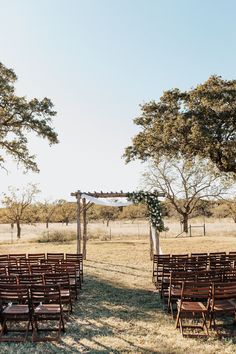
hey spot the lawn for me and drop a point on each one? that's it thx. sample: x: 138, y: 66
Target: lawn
x: 118, y: 310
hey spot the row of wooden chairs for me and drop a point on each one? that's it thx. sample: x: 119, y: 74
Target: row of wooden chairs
x: 22, y: 259
x: 33, y: 305
x: 165, y: 263
x: 172, y: 290
x: 202, y: 300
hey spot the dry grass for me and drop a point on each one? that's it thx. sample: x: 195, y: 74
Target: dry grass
x: 118, y: 310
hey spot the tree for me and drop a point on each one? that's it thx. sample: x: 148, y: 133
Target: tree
x: 67, y: 211
x: 133, y: 212
x: 47, y: 211
x: 199, y: 122
x: 186, y: 183
x: 18, y: 117
x: 226, y: 208
x: 108, y: 213
x: 17, y: 203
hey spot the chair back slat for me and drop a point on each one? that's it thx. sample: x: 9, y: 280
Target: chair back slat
x: 58, y: 256
x: 29, y: 279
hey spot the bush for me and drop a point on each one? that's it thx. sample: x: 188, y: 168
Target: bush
x: 57, y: 236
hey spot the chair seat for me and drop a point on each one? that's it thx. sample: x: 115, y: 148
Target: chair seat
x: 192, y: 306
x: 16, y: 310
x: 225, y: 305
x: 47, y: 309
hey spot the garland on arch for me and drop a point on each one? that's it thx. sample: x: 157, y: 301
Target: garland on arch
x: 153, y: 206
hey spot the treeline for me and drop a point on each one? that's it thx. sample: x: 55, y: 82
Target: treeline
x: 62, y: 211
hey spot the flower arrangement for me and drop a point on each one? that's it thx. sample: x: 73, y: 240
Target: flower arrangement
x: 153, y: 206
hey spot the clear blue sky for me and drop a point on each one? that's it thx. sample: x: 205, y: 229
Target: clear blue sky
x: 98, y: 60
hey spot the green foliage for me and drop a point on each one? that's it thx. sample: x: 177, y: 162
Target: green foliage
x: 153, y: 206
x: 57, y: 236
x: 19, y: 117
x: 199, y: 122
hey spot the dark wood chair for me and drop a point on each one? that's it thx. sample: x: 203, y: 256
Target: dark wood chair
x: 46, y: 307
x: 8, y: 279
x: 14, y: 309
x: 175, y: 288
x: 76, y: 257
x: 63, y: 280
x: 4, y: 257
x: 58, y: 256
x: 193, y: 304
x: 223, y: 301
x: 31, y: 279
x: 20, y: 269
x: 36, y: 256
x: 17, y: 256
x: 158, y: 263
x: 41, y: 269
x: 75, y: 281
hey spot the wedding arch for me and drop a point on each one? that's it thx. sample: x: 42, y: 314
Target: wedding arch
x: 119, y: 199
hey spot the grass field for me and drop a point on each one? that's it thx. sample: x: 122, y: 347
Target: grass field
x: 118, y: 310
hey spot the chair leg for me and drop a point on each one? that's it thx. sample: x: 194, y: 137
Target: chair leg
x: 205, y: 324
x: 177, y: 320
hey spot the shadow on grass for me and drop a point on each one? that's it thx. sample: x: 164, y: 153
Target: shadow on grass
x: 101, y: 301
x: 99, y: 314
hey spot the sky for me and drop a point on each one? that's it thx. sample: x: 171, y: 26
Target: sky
x: 98, y: 60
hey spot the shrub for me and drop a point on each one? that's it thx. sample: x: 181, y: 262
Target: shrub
x: 57, y: 236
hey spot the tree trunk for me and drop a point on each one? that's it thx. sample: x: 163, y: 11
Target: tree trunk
x: 18, y: 229
x: 185, y: 223
x: 47, y: 223
x: 67, y: 221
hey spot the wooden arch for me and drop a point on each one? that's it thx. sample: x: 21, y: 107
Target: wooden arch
x: 83, y: 206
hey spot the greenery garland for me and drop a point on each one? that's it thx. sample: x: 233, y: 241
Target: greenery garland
x: 153, y: 206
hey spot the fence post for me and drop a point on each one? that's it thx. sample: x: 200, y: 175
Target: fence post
x: 190, y: 228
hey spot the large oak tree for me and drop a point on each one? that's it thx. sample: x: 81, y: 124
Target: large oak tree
x: 18, y: 117
x: 199, y: 122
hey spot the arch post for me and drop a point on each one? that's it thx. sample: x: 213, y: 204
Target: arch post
x: 155, y: 239
x: 78, y: 197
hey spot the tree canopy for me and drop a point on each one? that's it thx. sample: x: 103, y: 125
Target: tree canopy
x: 199, y: 122
x: 19, y: 116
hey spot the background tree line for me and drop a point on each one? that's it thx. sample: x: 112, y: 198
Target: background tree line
x: 21, y: 207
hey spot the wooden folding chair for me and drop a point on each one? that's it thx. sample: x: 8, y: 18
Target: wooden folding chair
x: 175, y: 288
x: 41, y: 269
x: 4, y: 257
x: 31, y: 279
x: 78, y: 258
x: 8, y: 279
x: 36, y: 256
x: 223, y: 301
x: 193, y: 305
x: 46, y: 307
x: 20, y: 269
x: 63, y: 280
x: 75, y: 281
x: 58, y: 256
x: 14, y: 309
x: 17, y: 257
